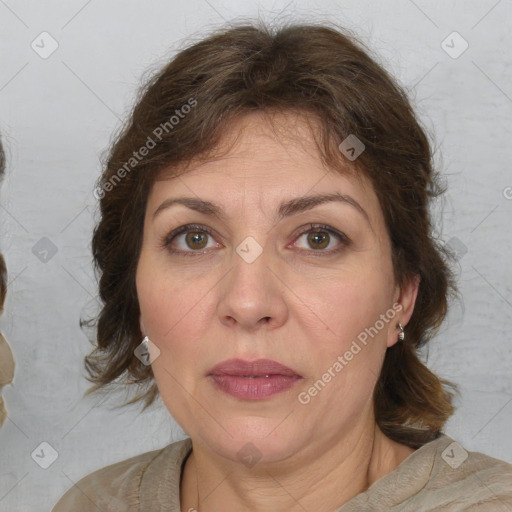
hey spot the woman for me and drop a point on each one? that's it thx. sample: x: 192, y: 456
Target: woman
x: 265, y: 232
x: 6, y: 357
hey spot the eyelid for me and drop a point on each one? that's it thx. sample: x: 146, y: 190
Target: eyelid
x: 183, y: 229
x: 344, y: 239
x: 167, y: 239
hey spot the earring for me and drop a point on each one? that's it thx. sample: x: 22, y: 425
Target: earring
x: 401, y: 334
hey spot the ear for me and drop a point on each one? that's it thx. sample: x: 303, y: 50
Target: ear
x: 404, y: 306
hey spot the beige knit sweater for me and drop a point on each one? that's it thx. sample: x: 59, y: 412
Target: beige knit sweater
x: 439, y: 476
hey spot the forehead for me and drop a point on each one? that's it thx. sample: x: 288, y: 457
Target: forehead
x: 264, y: 160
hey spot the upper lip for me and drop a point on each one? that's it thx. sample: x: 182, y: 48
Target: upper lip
x: 241, y: 368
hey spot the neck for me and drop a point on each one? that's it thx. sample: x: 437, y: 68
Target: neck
x: 324, y: 482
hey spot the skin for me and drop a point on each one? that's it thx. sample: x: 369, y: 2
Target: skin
x: 290, y: 305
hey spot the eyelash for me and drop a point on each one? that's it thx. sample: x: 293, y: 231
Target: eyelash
x: 345, y: 241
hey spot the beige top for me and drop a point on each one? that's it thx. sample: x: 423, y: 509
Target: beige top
x: 439, y: 476
x: 6, y: 372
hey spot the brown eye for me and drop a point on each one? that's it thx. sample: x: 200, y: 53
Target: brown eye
x: 196, y: 239
x: 188, y: 240
x: 319, y: 237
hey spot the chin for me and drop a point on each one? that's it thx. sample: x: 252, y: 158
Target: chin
x: 256, y: 439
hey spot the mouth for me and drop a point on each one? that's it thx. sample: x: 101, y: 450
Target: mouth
x: 261, y: 368
x: 253, y: 380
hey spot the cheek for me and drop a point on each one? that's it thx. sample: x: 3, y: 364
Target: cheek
x: 156, y: 298
x: 346, y: 347
x: 163, y: 307
x: 343, y: 304
x: 345, y: 334
x: 172, y: 308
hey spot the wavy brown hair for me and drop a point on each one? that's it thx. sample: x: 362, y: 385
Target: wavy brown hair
x: 325, y: 73
x: 3, y: 268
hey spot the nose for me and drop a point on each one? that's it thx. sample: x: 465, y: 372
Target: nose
x: 252, y: 294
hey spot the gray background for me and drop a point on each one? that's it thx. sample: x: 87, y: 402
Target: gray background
x: 56, y: 118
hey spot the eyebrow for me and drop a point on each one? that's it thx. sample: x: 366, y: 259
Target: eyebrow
x: 286, y: 209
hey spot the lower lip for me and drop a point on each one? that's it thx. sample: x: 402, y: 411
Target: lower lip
x: 256, y: 388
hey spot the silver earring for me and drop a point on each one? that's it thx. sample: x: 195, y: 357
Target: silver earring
x: 401, y: 334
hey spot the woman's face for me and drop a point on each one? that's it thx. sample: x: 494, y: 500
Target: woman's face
x: 256, y: 281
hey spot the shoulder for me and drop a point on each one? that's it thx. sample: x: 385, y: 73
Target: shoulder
x: 117, y: 487
x: 469, y: 479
